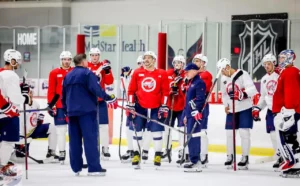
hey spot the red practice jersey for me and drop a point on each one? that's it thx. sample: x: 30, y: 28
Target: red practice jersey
x: 179, y: 100
x: 106, y: 79
x: 56, y: 78
x: 207, y: 78
x: 150, y: 87
x: 287, y: 91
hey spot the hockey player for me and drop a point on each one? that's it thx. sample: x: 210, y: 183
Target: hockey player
x: 9, y: 123
x: 56, y: 77
x: 201, y: 61
x: 267, y: 89
x: 82, y: 113
x: 195, y: 99
x: 286, y: 108
x: 176, y: 102
x: 244, y: 90
x: 36, y: 128
x: 148, y: 83
x: 105, y: 77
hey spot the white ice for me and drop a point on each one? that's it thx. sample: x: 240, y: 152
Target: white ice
x: 120, y: 174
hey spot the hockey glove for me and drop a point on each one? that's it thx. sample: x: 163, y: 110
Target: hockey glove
x: 255, y: 113
x: 237, y: 95
x: 184, y: 85
x: 112, y: 101
x: 174, y: 89
x: 25, y: 89
x: 106, y: 66
x: 10, y: 110
x: 40, y: 119
x: 53, y: 112
x: 177, y: 79
x: 163, y: 112
x: 197, y: 115
x: 284, y: 120
x: 130, y: 107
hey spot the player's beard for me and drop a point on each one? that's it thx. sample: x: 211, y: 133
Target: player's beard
x: 148, y: 64
x: 66, y: 65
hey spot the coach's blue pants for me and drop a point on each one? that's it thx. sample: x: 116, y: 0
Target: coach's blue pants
x: 194, y: 143
x: 84, y: 127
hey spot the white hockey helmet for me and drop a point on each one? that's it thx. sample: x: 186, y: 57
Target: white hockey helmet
x: 222, y: 63
x: 201, y: 57
x: 179, y: 58
x: 269, y: 57
x: 65, y: 54
x: 140, y: 59
x: 150, y: 53
x: 12, y: 54
x: 95, y: 51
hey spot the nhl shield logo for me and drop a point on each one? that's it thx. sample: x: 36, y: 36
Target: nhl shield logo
x: 264, y: 43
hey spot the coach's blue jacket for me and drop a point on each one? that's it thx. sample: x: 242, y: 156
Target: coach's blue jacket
x: 80, y: 92
x: 196, y: 91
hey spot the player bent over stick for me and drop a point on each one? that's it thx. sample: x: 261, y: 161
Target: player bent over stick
x: 150, y: 85
x: 286, y: 108
x: 80, y: 94
x: 244, y: 90
x: 36, y: 128
x: 195, y: 100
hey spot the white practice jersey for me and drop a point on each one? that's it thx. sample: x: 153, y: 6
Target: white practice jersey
x: 10, y: 88
x: 31, y: 119
x: 243, y: 83
x: 126, y: 80
x: 267, y: 88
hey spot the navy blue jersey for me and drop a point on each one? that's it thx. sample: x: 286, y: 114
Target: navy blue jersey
x: 80, y: 92
x: 196, y: 92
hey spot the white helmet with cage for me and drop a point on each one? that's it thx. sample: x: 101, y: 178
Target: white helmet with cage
x: 11, y: 54
x: 201, y: 57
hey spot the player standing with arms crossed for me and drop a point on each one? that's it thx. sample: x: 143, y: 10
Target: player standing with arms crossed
x: 56, y: 77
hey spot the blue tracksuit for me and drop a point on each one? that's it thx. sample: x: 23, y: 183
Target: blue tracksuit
x: 79, y: 99
x: 195, y: 92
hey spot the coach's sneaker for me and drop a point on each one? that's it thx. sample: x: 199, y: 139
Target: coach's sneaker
x: 127, y: 156
x: 243, y: 164
x: 62, y: 157
x: 229, y: 161
x: 105, y: 153
x: 145, y: 156
x: 157, y: 159
x: 192, y: 167
x: 101, y: 173
x: 136, y: 160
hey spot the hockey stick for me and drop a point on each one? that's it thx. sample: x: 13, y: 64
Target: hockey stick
x: 35, y: 160
x: 50, y: 105
x: 25, y: 128
x: 170, y: 122
x: 206, y: 102
x: 233, y: 118
x: 121, y: 125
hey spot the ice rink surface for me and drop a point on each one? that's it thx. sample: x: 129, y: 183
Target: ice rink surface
x: 121, y: 174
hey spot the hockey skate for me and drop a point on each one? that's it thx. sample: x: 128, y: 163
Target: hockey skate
x: 126, y: 158
x: 8, y: 170
x: 51, y: 157
x: 229, y: 162
x: 105, y: 155
x: 243, y: 164
x: 157, y: 159
x: 277, y: 164
x: 164, y: 157
x: 136, y: 160
x: 145, y: 156
x: 62, y: 157
x: 101, y: 173
x: 294, y: 171
x: 192, y: 167
x: 204, y: 160
x: 181, y: 160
